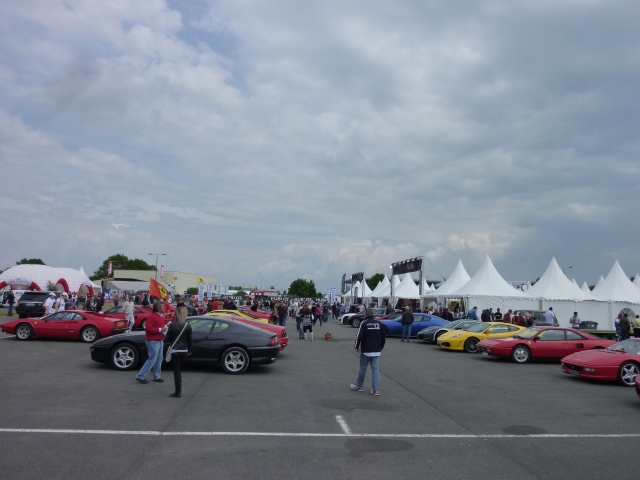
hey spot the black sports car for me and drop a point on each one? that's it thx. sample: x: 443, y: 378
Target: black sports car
x: 232, y: 344
x: 431, y: 334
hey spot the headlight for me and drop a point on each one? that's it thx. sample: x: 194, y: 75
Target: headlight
x: 457, y: 335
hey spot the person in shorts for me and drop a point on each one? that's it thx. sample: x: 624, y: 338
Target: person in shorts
x: 307, y: 322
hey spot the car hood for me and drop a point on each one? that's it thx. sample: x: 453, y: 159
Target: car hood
x: 434, y: 328
x: 603, y: 357
x: 489, y: 342
x: 132, y: 336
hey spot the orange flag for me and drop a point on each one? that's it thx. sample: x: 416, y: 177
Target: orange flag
x: 157, y: 290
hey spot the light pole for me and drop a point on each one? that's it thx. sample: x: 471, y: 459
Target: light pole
x: 260, y: 279
x: 564, y: 268
x: 157, y: 255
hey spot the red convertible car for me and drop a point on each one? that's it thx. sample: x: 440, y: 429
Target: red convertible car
x: 87, y: 326
x: 619, y: 362
x: 542, y: 342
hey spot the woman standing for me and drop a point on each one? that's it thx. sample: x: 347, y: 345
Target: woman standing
x: 179, y: 333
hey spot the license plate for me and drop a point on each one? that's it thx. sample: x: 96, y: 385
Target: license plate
x: 573, y: 372
x: 30, y: 304
x: 485, y: 353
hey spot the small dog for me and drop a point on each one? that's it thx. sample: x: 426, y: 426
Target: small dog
x: 328, y: 336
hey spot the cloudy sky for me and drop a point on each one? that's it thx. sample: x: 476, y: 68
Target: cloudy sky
x: 312, y: 139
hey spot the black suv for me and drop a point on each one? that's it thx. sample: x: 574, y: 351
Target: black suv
x: 30, y: 304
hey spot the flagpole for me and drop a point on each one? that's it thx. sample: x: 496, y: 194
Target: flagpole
x: 157, y: 255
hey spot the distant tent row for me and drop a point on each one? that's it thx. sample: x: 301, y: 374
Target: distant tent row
x: 487, y: 289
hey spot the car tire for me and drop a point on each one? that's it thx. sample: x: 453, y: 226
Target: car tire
x: 89, y: 334
x: 143, y: 323
x: 124, y: 357
x: 471, y: 345
x: 235, y: 360
x: 628, y: 373
x: 520, y: 354
x: 24, y: 332
x: 437, y: 335
x: 356, y: 323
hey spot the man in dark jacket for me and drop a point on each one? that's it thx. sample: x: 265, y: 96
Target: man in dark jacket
x: 485, y: 316
x: 369, y: 343
x: 407, y: 320
x: 625, y: 327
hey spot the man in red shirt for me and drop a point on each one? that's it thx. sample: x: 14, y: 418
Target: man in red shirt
x: 155, y: 330
x: 216, y: 304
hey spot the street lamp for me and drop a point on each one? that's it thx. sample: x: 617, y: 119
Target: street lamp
x: 260, y: 279
x: 564, y: 268
x: 157, y: 255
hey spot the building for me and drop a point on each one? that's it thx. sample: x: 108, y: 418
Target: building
x: 180, y: 281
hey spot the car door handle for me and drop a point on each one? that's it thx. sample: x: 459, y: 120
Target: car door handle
x: 205, y: 338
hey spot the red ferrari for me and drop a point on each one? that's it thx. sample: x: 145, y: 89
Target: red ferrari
x: 260, y: 313
x: 140, y: 315
x: 87, y: 326
x: 542, y: 342
x: 619, y: 362
x: 281, y: 332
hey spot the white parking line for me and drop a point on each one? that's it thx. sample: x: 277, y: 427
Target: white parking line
x: 288, y: 434
x: 343, y: 424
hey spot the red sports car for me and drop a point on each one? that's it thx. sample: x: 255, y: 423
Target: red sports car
x: 542, y: 342
x: 87, y: 326
x: 140, y: 315
x: 619, y: 362
x: 281, y: 332
x: 260, y: 313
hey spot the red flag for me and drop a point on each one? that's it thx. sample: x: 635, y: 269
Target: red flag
x: 157, y: 290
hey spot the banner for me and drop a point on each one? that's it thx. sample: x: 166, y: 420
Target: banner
x: 157, y: 290
x: 357, y: 277
x: 161, y: 271
x: 209, y: 290
x: 110, y: 269
x: 333, y: 296
x: 406, y: 266
x: 200, y: 292
x: 343, y: 287
x: 355, y: 294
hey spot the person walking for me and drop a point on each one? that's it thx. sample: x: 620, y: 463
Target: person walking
x: 575, y: 321
x: 625, y: 327
x: 180, y: 337
x: 407, y: 320
x: 49, y: 304
x: 11, y: 298
x: 307, y: 322
x: 282, y: 314
x: 155, y: 330
x: 635, y: 323
x: 128, y: 307
x: 369, y: 343
x: 550, y: 317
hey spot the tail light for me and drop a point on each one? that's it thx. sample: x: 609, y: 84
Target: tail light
x: 284, y: 333
x: 273, y: 341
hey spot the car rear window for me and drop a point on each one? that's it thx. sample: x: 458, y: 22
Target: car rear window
x: 34, y: 296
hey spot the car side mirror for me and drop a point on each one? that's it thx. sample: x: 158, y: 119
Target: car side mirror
x: 535, y: 339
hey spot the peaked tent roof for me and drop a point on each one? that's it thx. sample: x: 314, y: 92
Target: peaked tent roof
x: 573, y: 280
x: 395, y: 281
x: 600, y: 280
x: 585, y: 287
x: 636, y: 280
x: 554, y: 285
x: 617, y: 287
x: 408, y: 288
x: 487, y: 282
x: 426, y: 288
x: 458, y: 278
x: 381, y: 285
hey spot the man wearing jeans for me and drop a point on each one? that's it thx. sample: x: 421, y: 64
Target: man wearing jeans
x: 128, y: 307
x: 407, y: 320
x: 155, y: 330
x: 369, y: 343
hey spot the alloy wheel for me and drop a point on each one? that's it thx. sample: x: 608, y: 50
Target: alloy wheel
x: 124, y: 357
x: 628, y: 373
x: 235, y: 361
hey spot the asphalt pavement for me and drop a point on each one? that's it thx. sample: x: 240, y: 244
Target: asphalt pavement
x: 440, y: 415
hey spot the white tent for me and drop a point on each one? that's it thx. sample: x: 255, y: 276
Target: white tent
x: 585, y: 287
x: 554, y: 285
x: 573, y: 280
x: 395, y: 281
x: 600, y: 280
x: 636, y: 280
x: 407, y: 288
x: 458, y: 278
x: 65, y: 279
x: 384, y: 283
x: 617, y: 287
x: 426, y: 288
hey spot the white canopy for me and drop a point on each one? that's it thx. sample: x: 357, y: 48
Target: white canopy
x: 408, y: 288
x: 65, y: 279
x: 384, y: 283
x: 600, y: 280
x: 363, y: 290
x: 585, y: 287
x: 554, y: 285
x: 487, y: 282
x: 617, y: 287
x: 573, y: 280
x: 636, y: 280
x: 426, y: 288
x: 458, y: 278
x: 395, y: 281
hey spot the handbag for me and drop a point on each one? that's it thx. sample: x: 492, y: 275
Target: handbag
x: 170, y: 349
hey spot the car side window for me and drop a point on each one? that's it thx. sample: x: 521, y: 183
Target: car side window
x: 573, y: 335
x: 69, y: 316
x: 551, y: 335
x: 77, y: 316
x: 220, y: 327
x: 513, y: 329
x: 498, y: 329
x: 137, y: 310
x: 201, y: 325
x: 116, y: 310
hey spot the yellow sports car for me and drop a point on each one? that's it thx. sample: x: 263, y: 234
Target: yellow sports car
x: 467, y: 340
x: 237, y: 313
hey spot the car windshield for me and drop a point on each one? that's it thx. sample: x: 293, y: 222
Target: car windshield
x: 453, y: 324
x: 528, y: 333
x: 481, y: 327
x: 34, y: 297
x: 627, y: 346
